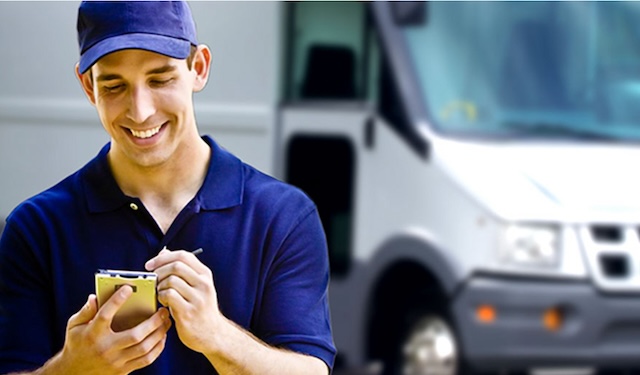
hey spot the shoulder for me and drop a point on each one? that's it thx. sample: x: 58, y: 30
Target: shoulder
x: 56, y: 202
x: 33, y: 225
x: 279, y: 213
x: 55, y: 198
x: 65, y: 198
x: 274, y: 195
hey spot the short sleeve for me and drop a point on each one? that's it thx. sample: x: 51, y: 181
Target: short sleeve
x: 25, y: 315
x: 295, y: 312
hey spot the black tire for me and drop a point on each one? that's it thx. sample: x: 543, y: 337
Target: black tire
x: 417, y: 326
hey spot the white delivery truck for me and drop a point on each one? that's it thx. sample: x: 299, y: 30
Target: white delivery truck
x: 473, y: 163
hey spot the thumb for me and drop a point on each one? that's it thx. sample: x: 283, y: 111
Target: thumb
x: 86, y: 313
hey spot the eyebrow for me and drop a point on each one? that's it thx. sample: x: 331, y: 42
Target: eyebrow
x: 163, y: 69
x: 108, y: 77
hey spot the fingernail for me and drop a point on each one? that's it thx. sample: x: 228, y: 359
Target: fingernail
x: 126, y: 290
x: 149, y: 265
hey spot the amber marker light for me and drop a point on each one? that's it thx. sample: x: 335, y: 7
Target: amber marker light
x: 486, y: 314
x: 552, y: 319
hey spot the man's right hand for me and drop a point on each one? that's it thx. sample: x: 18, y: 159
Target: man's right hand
x: 92, y: 347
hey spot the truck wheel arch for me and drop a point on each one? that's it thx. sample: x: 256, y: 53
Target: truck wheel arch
x: 405, y: 266
x: 418, y: 249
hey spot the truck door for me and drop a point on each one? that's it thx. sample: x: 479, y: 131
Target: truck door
x: 322, y: 147
x: 324, y: 114
x: 338, y: 89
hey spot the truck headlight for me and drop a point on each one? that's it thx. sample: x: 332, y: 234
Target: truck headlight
x: 531, y: 246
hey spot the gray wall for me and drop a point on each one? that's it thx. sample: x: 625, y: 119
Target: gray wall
x: 48, y: 129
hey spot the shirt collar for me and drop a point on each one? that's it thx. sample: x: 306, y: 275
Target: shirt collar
x: 223, y: 185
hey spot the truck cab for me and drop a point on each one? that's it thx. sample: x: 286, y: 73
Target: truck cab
x: 471, y: 164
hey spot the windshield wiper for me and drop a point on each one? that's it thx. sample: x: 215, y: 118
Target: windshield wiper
x: 554, y: 130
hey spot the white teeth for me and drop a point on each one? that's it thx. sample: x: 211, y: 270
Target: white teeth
x: 145, y: 133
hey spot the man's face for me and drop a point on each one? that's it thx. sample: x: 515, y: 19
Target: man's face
x: 144, y: 101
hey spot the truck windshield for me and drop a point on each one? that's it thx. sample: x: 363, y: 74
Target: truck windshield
x: 530, y: 69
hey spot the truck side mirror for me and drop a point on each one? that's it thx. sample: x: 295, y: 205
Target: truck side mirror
x: 409, y: 13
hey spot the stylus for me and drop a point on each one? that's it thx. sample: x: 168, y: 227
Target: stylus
x: 197, y: 251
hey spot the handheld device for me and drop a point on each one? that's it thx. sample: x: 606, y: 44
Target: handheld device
x: 142, y: 303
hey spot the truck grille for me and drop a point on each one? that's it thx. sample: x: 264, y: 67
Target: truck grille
x: 614, y: 265
x: 606, y: 233
x: 613, y: 256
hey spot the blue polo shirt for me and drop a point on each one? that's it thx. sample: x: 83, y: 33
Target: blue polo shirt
x: 262, y: 239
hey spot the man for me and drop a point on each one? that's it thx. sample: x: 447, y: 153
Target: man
x: 254, y: 302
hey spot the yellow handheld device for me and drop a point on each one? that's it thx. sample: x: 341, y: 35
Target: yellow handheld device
x: 140, y: 305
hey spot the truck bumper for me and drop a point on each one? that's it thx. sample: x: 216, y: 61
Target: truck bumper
x: 597, y: 330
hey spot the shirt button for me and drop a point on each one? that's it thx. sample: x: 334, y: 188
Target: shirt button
x: 134, y: 206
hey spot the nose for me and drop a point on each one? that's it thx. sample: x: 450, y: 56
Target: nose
x: 141, y: 105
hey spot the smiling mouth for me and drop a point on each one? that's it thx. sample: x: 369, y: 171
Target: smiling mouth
x: 142, y: 134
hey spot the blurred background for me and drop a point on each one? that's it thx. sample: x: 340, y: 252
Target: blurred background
x: 472, y: 162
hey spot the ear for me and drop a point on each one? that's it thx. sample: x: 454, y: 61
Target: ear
x: 86, y: 81
x: 201, y: 66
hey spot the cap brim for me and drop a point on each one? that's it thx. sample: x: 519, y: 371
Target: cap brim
x: 164, y: 45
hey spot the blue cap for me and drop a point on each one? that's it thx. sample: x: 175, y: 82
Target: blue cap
x: 164, y: 27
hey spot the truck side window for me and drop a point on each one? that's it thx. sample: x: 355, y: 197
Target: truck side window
x: 326, y: 51
x: 330, y: 73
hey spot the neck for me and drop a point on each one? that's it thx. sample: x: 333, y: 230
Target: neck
x: 165, y: 188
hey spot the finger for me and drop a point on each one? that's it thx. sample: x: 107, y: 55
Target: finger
x: 105, y: 314
x: 134, y: 336
x: 173, y: 300
x: 86, y: 313
x: 148, y: 343
x: 147, y: 358
x: 180, y: 270
x: 166, y: 257
x: 182, y: 289
x: 177, y: 283
x: 164, y: 251
x: 149, y: 264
